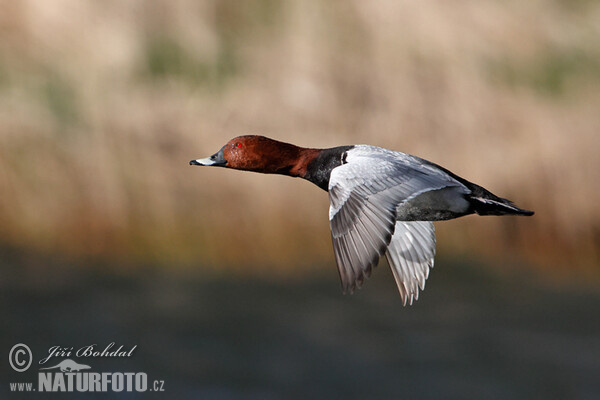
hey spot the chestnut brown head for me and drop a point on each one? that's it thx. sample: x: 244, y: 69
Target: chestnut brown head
x: 254, y: 153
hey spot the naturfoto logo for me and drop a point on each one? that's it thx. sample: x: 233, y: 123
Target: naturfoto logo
x: 71, y: 379
x: 68, y: 375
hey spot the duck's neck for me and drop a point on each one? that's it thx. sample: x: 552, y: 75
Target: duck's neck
x: 285, y: 159
x: 314, y: 165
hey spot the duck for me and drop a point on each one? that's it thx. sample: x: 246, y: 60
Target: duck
x: 382, y: 202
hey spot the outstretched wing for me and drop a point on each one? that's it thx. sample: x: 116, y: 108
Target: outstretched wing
x: 410, y: 256
x: 364, y: 194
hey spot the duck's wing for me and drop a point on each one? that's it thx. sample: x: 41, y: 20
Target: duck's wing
x: 410, y: 256
x: 364, y: 194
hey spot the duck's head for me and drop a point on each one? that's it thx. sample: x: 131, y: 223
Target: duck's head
x: 255, y: 153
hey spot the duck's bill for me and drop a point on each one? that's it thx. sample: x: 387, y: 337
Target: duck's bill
x: 216, y: 160
x: 203, y: 161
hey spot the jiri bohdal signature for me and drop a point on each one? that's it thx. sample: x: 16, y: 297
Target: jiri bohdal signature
x: 91, y: 350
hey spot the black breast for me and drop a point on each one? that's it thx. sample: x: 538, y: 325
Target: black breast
x: 319, y: 170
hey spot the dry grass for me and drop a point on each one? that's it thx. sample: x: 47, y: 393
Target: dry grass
x: 103, y: 103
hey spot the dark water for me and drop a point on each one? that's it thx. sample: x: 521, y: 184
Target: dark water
x: 472, y: 335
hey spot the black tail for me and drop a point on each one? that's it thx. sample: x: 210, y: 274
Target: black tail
x: 484, y: 202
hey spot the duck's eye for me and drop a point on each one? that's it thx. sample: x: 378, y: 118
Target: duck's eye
x: 238, y: 145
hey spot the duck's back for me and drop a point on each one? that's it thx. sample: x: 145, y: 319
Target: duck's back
x: 425, y: 191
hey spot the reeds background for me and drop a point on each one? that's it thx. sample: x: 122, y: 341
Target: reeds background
x: 102, y: 105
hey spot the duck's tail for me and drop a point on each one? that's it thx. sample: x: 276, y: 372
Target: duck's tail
x: 483, y: 202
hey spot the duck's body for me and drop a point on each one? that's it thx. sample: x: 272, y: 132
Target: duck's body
x: 381, y: 202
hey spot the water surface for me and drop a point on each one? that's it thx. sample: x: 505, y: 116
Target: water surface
x: 472, y: 335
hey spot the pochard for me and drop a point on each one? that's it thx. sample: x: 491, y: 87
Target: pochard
x: 381, y: 202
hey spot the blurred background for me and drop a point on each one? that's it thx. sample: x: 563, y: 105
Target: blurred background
x: 106, y: 233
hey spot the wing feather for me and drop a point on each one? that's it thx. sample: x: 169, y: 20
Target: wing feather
x: 410, y: 255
